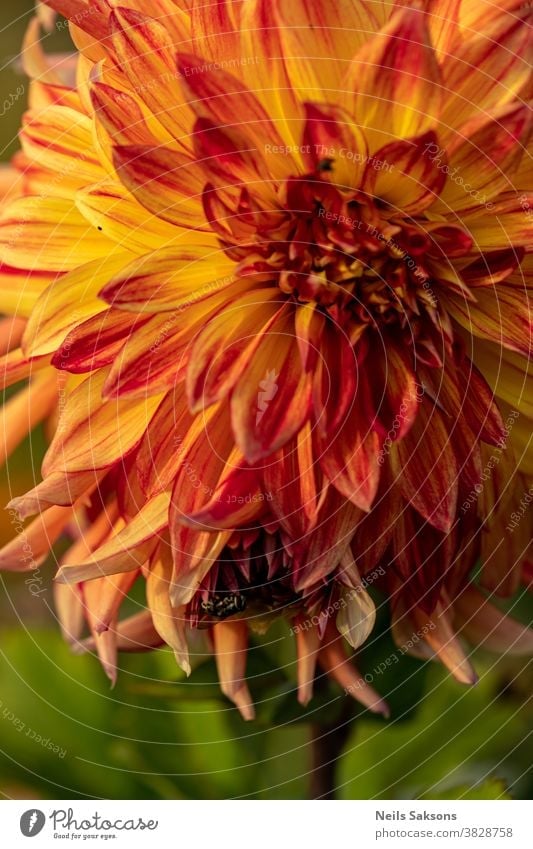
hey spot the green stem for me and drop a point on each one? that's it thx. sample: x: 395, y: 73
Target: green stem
x: 327, y: 743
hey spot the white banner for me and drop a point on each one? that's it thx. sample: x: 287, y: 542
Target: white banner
x: 266, y: 825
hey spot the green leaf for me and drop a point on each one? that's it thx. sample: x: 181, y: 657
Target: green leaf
x: 458, y: 736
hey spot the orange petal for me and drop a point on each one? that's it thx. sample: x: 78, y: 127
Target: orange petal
x: 15, y: 367
x: 11, y: 330
x: 159, y: 455
x: 500, y: 314
x: 53, y: 316
x: 95, y: 342
x: 194, y: 553
x: 319, y: 553
x: 307, y: 646
x: 21, y: 287
x: 334, y: 661
x: 290, y: 482
x: 504, y: 223
x: 169, y: 621
x: 440, y: 637
x: 32, y: 544
x: 414, y: 181
x: 485, y: 625
x: 23, y: 411
x: 318, y: 40
x: 166, y: 182
x: 482, y: 162
x: 136, y: 633
x: 146, y: 52
x: 70, y: 611
x: 395, y: 80
x: 231, y: 647
x: 114, y: 211
x: 331, y: 134
x: 425, y: 467
x: 349, y: 456
x: 169, y: 280
x: 127, y: 550
x: 227, y: 344
x: 50, y: 232
x: 272, y: 399
x: 61, y: 140
x: 60, y: 488
x: 489, y: 69
x: 121, y: 115
x: 219, y: 96
x: 93, y: 434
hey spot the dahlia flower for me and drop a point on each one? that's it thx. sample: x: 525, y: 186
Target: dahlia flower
x: 265, y: 272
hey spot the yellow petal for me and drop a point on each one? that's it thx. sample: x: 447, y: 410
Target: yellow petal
x: 127, y: 550
x: 393, y: 83
x: 49, y: 232
x: 54, y: 316
x: 93, y: 434
x: 169, y: 621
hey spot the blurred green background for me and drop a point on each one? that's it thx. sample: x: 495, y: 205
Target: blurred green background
x: 65, y: 734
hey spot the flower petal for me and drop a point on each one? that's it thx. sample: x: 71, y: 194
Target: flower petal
x: 227, y: 344
x: 394, y: 81
x: 169, y: 280
x: 166, y: 182
x: 272, y: 399
x: 425, y: 468
x: 94, y: 434
x: 51, y: 233
x: 127, y: 550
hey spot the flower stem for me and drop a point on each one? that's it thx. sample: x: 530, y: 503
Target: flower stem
x: 327, y: 743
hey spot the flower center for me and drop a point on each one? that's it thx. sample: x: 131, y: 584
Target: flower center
x: 344, y: 254
x: 253, y: 577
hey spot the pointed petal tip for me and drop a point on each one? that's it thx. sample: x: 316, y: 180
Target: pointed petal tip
x: 467, y: 676
x: 17, y: 504
x: 184, y: 665
x: 243, y: 701
x: 77, y: 647
x: 112, y: 678
x: 381, y: 708
x: 305, y: 694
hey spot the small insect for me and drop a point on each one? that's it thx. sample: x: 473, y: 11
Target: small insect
x: 325, y: 164
x: 223, y: 606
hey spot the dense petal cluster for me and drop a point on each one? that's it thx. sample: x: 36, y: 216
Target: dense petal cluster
x: 268, y: 270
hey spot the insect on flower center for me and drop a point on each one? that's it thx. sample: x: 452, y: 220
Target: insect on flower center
x: 254, y: 579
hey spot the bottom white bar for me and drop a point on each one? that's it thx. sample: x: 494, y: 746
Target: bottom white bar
x: 266, y: 825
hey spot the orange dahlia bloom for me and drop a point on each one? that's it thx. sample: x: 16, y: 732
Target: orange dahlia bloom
x: 268, y: 269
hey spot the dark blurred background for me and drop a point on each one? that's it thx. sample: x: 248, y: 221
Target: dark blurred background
x: 65, y: 734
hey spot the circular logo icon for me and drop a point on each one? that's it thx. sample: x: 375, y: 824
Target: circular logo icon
x: 32, y: 822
